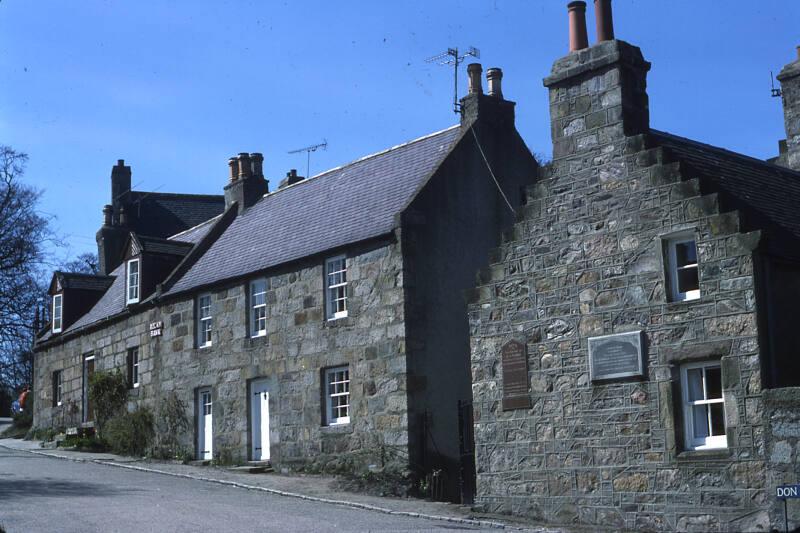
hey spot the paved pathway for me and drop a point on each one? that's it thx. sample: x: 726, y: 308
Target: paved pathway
x: 40, y: 493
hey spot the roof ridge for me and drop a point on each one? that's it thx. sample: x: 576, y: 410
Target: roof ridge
x: 731, y: 152
x: 364, y: 158
x: 181, y: 194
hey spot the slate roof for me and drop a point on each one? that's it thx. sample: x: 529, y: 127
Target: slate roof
x: 767, y: 195
x: 164, y: 246
x: 164, y: 214
x: 344, y: 205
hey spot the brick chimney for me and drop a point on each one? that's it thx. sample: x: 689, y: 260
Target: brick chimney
x: 598, y: 94
x: 789, y: 78
x: 491, y: 108
x: 246, y: 181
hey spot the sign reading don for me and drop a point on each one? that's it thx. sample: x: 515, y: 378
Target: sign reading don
x: 515, y: 376
x: 616, y: 356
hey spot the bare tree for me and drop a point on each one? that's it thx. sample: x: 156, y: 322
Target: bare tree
x: 85, y: 263
x: 23, y: 235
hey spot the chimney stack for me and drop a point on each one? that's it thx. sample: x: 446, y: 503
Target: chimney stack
x: 246, y: 182
x: 494, y: 78
x: 290, y: 179
x: 604, y: 20
x: 578, y: 39
x: 789, y: 78
x: 474, y: 76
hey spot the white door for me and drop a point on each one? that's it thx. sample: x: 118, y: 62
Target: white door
x: 205, y: 426
x: 259, y: 420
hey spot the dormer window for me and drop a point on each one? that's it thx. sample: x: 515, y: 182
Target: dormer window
x: 133, y: 282
x: 57, y: 312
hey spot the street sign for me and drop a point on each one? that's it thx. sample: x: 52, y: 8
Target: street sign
x: 788, y: 491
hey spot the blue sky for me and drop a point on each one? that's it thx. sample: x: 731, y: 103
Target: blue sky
x: 175, y: 88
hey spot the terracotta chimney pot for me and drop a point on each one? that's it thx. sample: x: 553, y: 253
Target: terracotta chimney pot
x: 233, y: 163
x: 244, y: 165
x: 108, y: 213
x: 578, y: 39
x: 474, y: 78
x: 604, y: 20
x: 256, y: 161
x: 494, y: 78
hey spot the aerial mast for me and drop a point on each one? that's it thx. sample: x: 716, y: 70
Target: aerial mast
x: 452, y: 57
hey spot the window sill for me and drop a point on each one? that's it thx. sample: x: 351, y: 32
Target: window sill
x: 336, y: 429
x: 718, y: 454
x: 686, y: 303
x: 339, y: 322
x: 258, y: 340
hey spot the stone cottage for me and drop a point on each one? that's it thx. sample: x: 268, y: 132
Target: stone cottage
x: 321, y: 325
x: 634, y: 347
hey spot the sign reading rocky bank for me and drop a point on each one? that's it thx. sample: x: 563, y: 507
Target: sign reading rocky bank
x: 515, y: 376
x: 616, y: 356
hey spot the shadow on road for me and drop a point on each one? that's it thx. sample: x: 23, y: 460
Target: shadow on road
x: 25, y: 488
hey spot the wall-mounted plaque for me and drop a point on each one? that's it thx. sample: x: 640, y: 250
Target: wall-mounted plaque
x: 514, y: 357
x: 616, y: 356
x: 156, y: 328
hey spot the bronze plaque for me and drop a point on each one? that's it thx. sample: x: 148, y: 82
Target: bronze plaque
x: 515, y: 376
x: 616, y: 356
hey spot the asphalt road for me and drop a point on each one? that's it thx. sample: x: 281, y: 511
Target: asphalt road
x: 46, y: 494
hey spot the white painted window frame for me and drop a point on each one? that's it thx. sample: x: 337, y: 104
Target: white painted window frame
x: 258, y: 311
x: 133, y: 282
x: 135, y: 367
x: 58, y: 313
x: 712, y: 441
x: 59, y: 386
x: 337, y: 385
x: 673, y: 268
x: 336, y: 289
x: 204, y: 322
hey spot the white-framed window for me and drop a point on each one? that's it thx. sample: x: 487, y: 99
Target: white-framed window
x: 133, y: 367
x: 57, y: 387
x: 337, y: 395
x: 204, y: 320
x: 703, y: 405
x: 682, y: 268
x: 58, y: 300
x: 132, y: 294
x: 336, y: 287
x: 258, y: 308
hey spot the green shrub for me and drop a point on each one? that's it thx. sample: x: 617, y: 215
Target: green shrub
x: 85, y: 443
x: 108, y: 392
x: 171, y: 422
x: 130, y: 433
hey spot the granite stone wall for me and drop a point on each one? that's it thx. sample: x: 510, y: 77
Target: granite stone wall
x: 587, y: 259
x: 299, y: 343
x: 782, y: 450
